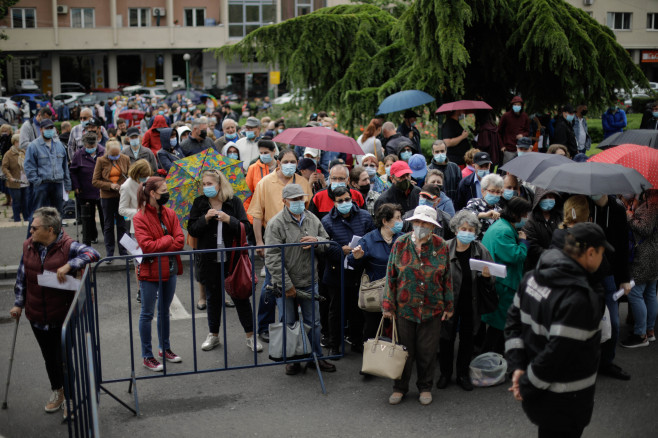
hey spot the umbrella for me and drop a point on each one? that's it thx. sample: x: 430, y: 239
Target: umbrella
x: 591, y: 179
x: 641, y: 158
x: 403, y: 100
x: 531, y: 164
x: 184, y: 180
x: 319, y: 137
x: 644, y: 137
x: 211, y: 97
x: 463, y: 105
x: 132, y: 117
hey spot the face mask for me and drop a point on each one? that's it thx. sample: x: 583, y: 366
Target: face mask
x: 335, y: 185
x: 265, y: 158
x: 406, y: 155
x: 491, y: 199
x: 231, y: 136
x: 84, y: 123
x: 547, y: 204
x: 203, y: 133
x: 655, y: 114
x: 364, y: 190
x: 183, y: 110
x: 173, y: 142
x: 143, y: 180
x: 440, y: 158
x: 164, y: 198
x: 421, y: 232
x: 148, y: 119
x: 233, y: 156
x: 423, y: 201
x: 397, y: 227
x: 388, y: 171
x: 134, y: 142
x: 250, y: 134
x: 413, y: 123
x: 596, y: 197
x: 113, y: 157
x: 288, y: 169
x: 570, y: 118
x: 296, y: 207
x: 520, y: 224
x: 279, y: 131
x: 520, y: 153
x: 583, y: 113
x: 516, y: 108
x: 210, y: 191
x: 161, y: 113
x: 465, y: 237
x: 403, y: 185
x: 371, y: 171
x: 508, y: 194
x: 90, y: 151
x: 482, y: 173
x: 345, y: 207
x: 48, y: 133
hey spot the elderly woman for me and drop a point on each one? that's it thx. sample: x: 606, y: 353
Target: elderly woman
x: 508, y: 246
x: 419, y: 295
x: 83, y: 165
x: 468, y: 285
x: 371, y: 165
x: 109, y: 173
x: 487, y: 207
x: 17, y: 184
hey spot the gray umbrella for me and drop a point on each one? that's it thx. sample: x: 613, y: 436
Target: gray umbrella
x: 592, y: 179
x: 531, y: 164
x: 642, y: 137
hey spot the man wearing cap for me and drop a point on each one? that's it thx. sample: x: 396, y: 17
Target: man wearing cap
x: 418, y: 168
x: 46, y: 168
x: 469, y: 187
x: 248, y: 145
x: 31, y: 129
x: 408, y: 128
x: 513, y: 125
x: 198, y: 140
x: 563, y: 131
x: 135, y: 151
x: 523, y: 146
x: 402, y: 192
x: 75, y: 139
x: 295, y: 224
x: 322, y: 201
x: 553, y: 334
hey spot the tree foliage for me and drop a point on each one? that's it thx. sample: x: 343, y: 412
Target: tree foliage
x: 352, y: 56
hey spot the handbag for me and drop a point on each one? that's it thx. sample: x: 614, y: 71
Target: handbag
x: 371, y: 294
x: 297, y: 343
x: 238, y: 284
x: 384, y: 358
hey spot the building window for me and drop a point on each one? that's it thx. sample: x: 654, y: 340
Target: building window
x: 652, y: 21
x: 194, y: 16
x: 619, y: 20
x: 25, y: 18
x: 139, y: 17
x: 29, y: 68
x: 246, y: 16
x: 303, y: 7
x: 82, y: 17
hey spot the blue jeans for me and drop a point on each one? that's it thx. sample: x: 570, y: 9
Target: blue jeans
x: 48, y: 194
x: 310, y: 309
x: 266, y: 306
x: 608, y: 348
x: 150, y: 294
x: 19, y: 204
x: 644, y: 304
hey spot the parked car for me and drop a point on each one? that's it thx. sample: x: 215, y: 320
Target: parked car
x: 77, y: 87
x: 295, y: 97
x: 66, y: 98
x: 157, y: 92
x: 92, y: 99
x: 32, y: 98
x: 176, y: 82
x: 26, y: 86
x: 9, y: 110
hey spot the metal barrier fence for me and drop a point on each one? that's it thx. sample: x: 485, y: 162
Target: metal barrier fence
x: 133, y: 378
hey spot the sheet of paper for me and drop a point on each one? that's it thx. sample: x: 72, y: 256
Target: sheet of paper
x: 355, y: 241
x: 131, y: 246
x: 494, y: 268
x: 65, y: 194
x: 49, y: 279
x: 620, y: 292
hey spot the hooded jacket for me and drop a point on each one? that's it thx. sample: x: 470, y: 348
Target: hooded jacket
x: 82, y: 172
x: 168, y: 154
x: 538, y: 230
x: 151, y: 138
x: 564, y: 134
x: 612, y: 218
x: 408, y: 200
x: 452, y: 175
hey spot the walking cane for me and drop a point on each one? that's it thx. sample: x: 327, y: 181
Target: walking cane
x: 11, y: 361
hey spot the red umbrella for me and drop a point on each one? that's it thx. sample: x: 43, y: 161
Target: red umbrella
x: 319, y: 137
x: 463, y: 105
x: 641, y: 158
x: 132, y: 117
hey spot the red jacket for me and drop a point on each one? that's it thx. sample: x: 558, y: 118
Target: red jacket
x: 151, y: 139
x: 151, y: 237
x: 322, y: 204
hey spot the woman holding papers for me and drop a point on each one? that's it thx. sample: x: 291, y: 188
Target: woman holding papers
x: 468, y: 287
x: 49, y: 249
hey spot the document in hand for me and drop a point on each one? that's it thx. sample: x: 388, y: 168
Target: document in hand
x: 494, y: 268
x: 131, y: 246
x: 49, y: 279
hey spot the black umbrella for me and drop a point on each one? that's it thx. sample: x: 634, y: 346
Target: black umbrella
x: 642, y: 137
x: 531, y: 164
x: 592, y: 179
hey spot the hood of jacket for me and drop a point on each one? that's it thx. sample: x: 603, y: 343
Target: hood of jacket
x: 165, y: 133
x: 159, y: 122
x: 540, y: 193
x: 556, y: 269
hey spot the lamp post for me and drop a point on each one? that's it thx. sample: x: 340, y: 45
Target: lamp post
x: 186, y: 58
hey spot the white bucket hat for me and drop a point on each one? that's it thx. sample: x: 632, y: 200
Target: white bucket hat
x: 425, y: 213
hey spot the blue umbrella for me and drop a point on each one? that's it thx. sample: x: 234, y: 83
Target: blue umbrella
x: 403, y: 100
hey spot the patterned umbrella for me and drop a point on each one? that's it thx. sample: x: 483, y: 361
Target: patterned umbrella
x: 184, y: 180
x: 641, y: 158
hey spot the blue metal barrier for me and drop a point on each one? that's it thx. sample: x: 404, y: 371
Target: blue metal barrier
x: 132, y: 379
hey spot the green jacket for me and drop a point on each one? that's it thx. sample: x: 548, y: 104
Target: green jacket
x: 502, y: 241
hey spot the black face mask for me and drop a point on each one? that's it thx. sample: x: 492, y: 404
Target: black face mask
x: 164, y: 198
x: 403, y: 185
x: 583, y: 113
x: 364, y: 190
x: 203, y: 133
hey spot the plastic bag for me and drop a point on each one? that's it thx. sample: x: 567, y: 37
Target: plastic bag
x: 488, y: 369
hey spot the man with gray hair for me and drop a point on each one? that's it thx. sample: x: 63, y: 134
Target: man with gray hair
x: 198, y: 140
x: 230, y: 128
x: 323, y: 202
x: 75, y: 139
x: 248, y: 145
x: 394, y: 141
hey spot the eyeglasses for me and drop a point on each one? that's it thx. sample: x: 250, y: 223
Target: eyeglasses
x: 342, y: 201
x: 85, y: 118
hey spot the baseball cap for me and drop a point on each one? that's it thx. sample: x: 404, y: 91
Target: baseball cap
x: 293, y: 191
x: 524, y: 143
x: 252, y: 122
x: 132, y: 131
x: 47, y: 123
x: 568, y: 108
x: 95, y: 121
x: 312, y: 152
x: 418, y: 166
x: 425, y: 213
x: 400, y: 168
x: 433, y: 190
x: 517, y: 99
x: 481, y: 158
x: 590, y: 234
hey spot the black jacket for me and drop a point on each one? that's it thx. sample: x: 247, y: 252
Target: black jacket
x: 396, y: 142
x: 408, y: 200
x: 563, y: 134
x: 612, y: 218
x: 539, y: 231
x: 465, y: 191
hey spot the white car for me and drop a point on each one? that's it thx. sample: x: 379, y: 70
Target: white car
x: 176, y: 82
x: 66, y: 98
x: 296, y: 97
x: 9, y: 110
x: 26, y: 85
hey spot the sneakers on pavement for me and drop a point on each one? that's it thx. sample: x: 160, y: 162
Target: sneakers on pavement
x: 651, y: 335
x: 250, y: 344
x: 211, y: 342
x: 56, y: 401
x: 152, y: 364
x: 171, y: 356
x: 634, y: 341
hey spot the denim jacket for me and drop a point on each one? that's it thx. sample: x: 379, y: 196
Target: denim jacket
x: 576, y: 130
x: 47, y: 164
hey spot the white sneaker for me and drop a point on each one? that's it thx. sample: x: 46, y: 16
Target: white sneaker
x: 250, y: 344
x: 211, y: 342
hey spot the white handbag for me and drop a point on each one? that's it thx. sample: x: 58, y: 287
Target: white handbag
x: 384, y: 358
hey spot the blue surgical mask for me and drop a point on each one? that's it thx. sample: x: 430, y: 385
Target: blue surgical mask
x: 596, y: 197
x: 345, y: 207
x: 655, y: 114
x: 279, y: 131
x: 482, y: 173
x: 173, y: 142
x: 335, y: 185
x: 265, y: 158
x: 388, y: 170
x: 161, y: 113
x: 134, y: 142
x: 296, y: 207
x: 547, y: 204
x: 114, y: 157
x: 508, y: 194
x: 397, y: 227
x: 406, y: 155
x: 465, y: 237
x: 491, y: 199
x: 90, y: 151
x: 288, y: 169
x: 143, y: 180
x: 520, y: 224
x: 233, y: 156
x: 231, y: 136
x: 371, y: 171
x: 183, y: 110
x: 440, y: 158
x: 520, y: 153
x: 516, y: 108
x: 48, y: 133
x: 570, y: 118
x: 250, y: 134
x: 84, y: 123
x: 423, y: 201
x: 210, y: 191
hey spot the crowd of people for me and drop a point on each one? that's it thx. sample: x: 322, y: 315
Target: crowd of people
x: 417, y: 224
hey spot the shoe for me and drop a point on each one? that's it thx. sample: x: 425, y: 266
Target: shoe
x: 250, y: 344
x: 56, y: 401
x: 201, y: 305
x: 139, y: 296
x: 171, y: 356
x: 262, y: 271
x: 335, y: 351
x: 324, y: 342
x: 152, y: 364
x: 211, y: 342
x: 265, y: 337
x: 651, y: 335
x: 324, y: 366
x: 395, y: 398
x: 109, y: 262
x: 425, y: 398
x: 95, y: 241
x: 465, y: 383
x: 615, y: 372
x: 443, y: 382
x: 634, y: 341
x: 293, y: 368
x: 229, y: 303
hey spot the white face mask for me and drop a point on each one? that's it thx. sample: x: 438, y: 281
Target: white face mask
x: 420, y: 232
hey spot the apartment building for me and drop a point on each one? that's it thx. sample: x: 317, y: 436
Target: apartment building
x: 111, y: 43
x: 635, y: 24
